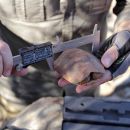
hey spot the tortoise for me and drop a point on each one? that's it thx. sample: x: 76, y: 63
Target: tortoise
x: 80, y: 67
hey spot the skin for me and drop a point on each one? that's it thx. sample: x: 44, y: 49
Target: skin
x: 6, y: 61
x: 75, y: 62
x: 72, y: 60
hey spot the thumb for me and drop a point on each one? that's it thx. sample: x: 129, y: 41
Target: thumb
x: 110, y: 56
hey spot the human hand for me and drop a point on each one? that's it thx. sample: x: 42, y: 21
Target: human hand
x: 6, y: 61
x: 80, y: 68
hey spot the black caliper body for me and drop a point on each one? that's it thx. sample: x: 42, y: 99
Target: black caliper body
x: 36, y: 53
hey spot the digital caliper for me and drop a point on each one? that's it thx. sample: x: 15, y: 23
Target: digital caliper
x: 46, y: 51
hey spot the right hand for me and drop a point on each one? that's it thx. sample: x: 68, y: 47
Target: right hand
x: 6, y: 61
x: 77, y: 67
x: 113, y: 48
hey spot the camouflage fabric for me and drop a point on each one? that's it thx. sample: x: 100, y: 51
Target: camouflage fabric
x: 44, y: 114
x: 68, y: 19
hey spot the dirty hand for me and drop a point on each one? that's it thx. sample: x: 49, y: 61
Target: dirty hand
x: 80, y: 68
x: 6, y: 61
x: 114, y: 47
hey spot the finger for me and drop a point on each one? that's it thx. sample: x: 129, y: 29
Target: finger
x: 62, y: 82
x: 20, y: 73
x: 6, y: 57
x: 94, y: 83
x: 81, y: 88
x: 86, y: 86
x: 110, y: 56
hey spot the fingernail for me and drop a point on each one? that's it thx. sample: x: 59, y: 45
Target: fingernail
x: 107, y: 62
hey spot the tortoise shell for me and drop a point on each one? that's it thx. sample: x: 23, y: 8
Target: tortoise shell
x: 77, y: 66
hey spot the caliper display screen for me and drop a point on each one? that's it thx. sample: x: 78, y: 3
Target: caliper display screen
x: 34, y: 54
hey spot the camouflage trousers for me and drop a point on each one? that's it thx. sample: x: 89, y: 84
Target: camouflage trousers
x: 44, y: 114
